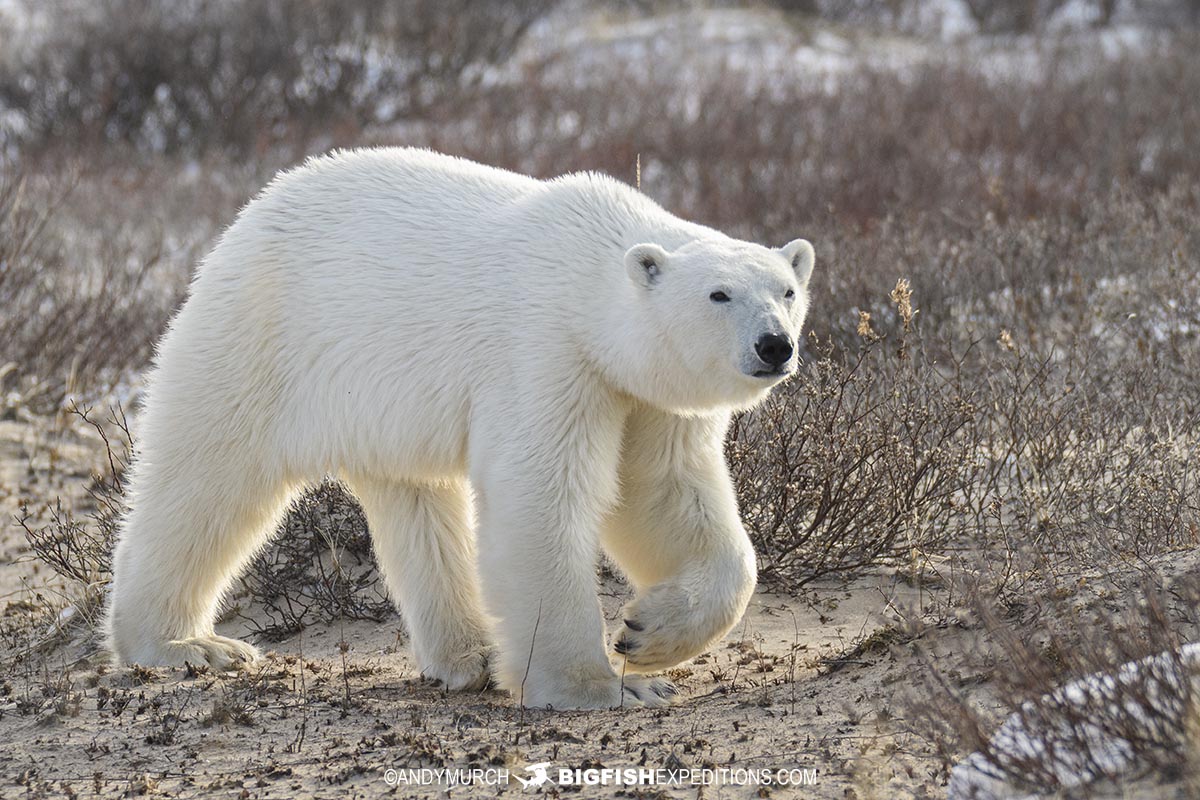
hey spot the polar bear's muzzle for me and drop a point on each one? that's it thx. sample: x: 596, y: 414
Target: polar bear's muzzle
x: 774, y: 351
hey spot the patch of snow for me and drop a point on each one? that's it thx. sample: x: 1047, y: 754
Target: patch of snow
x: 1073, y: 15
x: 583, y: 47
x: 942, y: 19
x: 1048, y: 732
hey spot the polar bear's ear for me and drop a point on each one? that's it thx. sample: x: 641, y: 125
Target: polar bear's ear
x: 645, y: 263
x: 800, y: 253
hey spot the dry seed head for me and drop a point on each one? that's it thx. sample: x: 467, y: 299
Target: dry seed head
x: 902, y: 297
x: 864, y: 327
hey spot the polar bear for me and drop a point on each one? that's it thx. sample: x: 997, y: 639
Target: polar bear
x: 508, y: 373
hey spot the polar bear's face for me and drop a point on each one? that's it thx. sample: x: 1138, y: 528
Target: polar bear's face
x: 729, y: 313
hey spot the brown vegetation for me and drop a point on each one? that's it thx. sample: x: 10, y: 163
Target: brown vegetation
x: 998, y: 397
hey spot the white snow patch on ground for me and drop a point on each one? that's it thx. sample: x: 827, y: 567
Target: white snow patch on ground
x: 1077, y: 754
x: 760, y: 42
x: 579, y: 45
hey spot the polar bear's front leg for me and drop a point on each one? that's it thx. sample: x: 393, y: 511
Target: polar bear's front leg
x: 677, y: 534
x: 541, y: 493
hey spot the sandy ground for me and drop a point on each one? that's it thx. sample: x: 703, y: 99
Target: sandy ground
x: 308, y: 722
x: 802, y: 683
x: 40, y: 459
x: 806, y: 689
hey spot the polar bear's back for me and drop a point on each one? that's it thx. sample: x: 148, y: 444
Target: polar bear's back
x: 388, y: 229
x: 415, y: 178
x: 389, y: 197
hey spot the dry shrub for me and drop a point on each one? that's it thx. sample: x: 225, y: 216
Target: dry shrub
x: 966, y: 183
x: 1133, y: 711
x: 1088, y: 449
x: 74, y: 319
x: 79, y: 549
x: 1040, y: 396
x: 1012, y: 16
x: 856, y: 463
x: 76, y: 543
x: 241, y: 75
x: 999, y: 16
x: 320, y: 568
x: 1073, y: 476
x: 765, y: 158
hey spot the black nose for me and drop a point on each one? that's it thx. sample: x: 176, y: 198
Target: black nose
x: 774, y: 349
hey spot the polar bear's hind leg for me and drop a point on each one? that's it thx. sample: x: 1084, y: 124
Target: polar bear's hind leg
x: 190, y: 532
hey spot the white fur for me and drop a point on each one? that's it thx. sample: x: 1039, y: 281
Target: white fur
x: 431, y: 331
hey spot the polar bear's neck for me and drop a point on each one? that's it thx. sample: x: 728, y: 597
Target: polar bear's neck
x: 598, y: 219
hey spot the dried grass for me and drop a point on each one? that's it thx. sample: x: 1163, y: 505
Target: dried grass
x: 998, y: 394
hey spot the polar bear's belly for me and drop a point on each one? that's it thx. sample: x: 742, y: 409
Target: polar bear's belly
x: 402, y: 418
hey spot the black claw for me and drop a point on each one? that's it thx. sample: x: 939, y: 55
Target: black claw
x: 635, y: 626
x: 665, y: 689
x: 622, y: 646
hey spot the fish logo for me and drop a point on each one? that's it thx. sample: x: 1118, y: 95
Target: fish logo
x: 539, y: 776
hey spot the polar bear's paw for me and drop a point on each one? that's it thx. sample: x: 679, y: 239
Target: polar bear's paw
x: 602, y: 692
x: 643, y: 690
x: 665, y: 627
x: 463, y: 672
x: 219, y: 652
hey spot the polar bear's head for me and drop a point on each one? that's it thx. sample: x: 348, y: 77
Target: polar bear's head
x: 728, y: 314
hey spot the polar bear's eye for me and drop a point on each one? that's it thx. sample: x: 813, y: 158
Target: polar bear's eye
x: 719, y: 297
x: 789, y: 294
